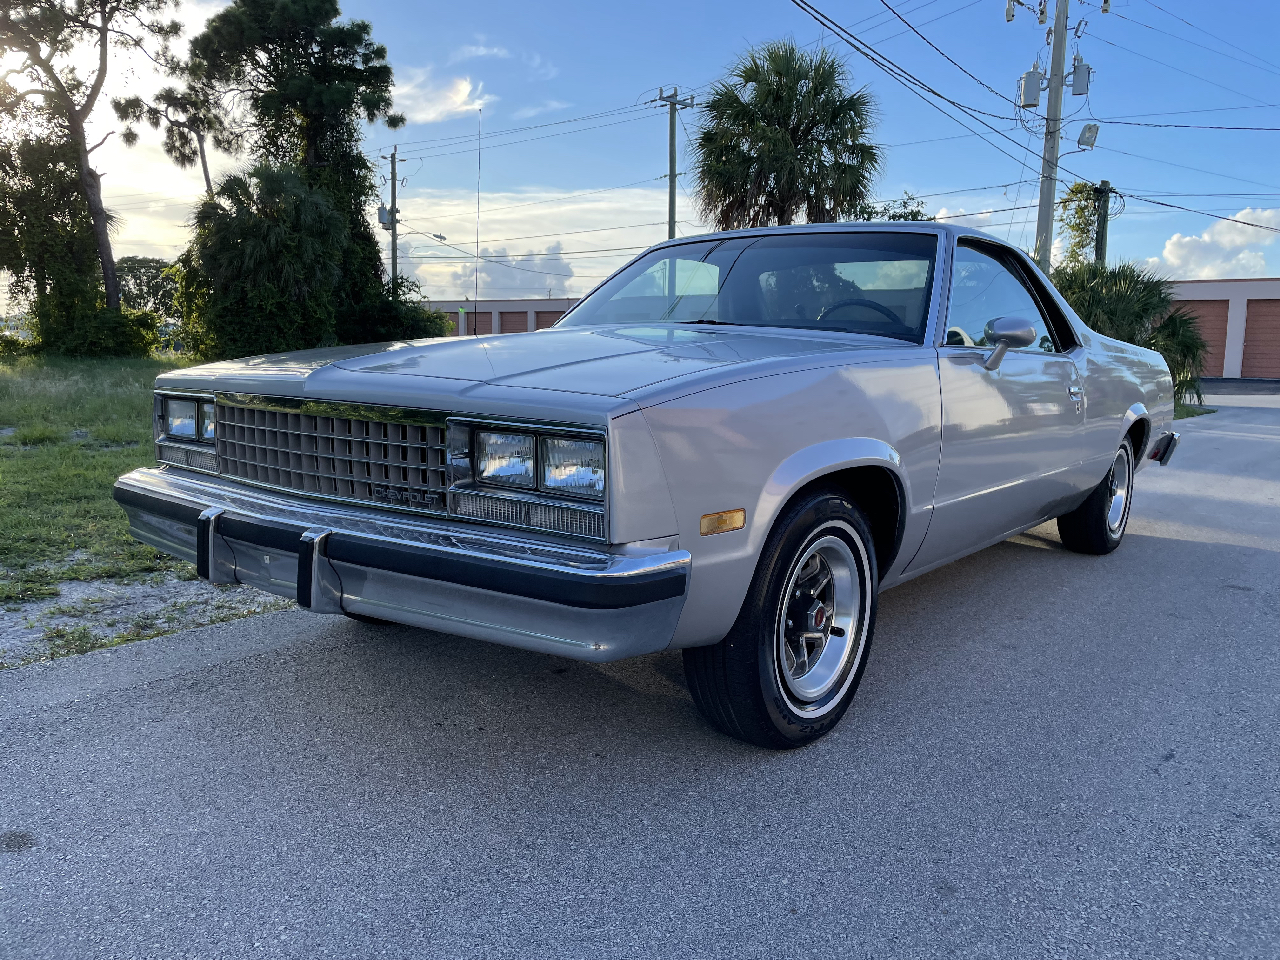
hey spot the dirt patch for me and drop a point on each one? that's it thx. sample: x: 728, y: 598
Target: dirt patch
x: 88, y: 615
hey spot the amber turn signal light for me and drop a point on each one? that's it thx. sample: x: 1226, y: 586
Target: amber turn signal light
x: 723, y: 522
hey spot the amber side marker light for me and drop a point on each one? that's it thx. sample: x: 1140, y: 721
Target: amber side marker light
x: 725, y: 521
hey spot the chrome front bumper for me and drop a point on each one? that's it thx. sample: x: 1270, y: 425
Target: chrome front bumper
x: 573, y: 601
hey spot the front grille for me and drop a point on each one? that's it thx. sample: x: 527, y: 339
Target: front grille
x: 555, y: 518
x: 379, y: 461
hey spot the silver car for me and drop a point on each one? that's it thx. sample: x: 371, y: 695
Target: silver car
x: 729, y: 447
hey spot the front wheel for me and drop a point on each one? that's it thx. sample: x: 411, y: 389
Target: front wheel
x: 789, y: 667
x: 1098, y: 524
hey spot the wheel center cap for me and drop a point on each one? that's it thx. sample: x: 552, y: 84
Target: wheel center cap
x: 818, y: 617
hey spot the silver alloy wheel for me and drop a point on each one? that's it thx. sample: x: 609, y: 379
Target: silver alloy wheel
x: 821, y: 623
x: 1120, y: 479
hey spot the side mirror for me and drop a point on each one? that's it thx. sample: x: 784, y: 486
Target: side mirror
x: 1006, y: 332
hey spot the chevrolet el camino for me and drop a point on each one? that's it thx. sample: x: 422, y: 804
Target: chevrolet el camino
x: 729, y: 447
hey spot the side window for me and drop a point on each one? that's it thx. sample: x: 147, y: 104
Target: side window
x: 982, y: 289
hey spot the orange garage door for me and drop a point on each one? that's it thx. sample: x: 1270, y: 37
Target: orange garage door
x: 514, y: 321
x: 547, y: 318
x: 481, y: 323
x: 1212, y: 315
x: 1262, y: 339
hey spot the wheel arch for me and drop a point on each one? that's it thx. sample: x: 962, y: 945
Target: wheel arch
x: 1137, y: 427
x: 866, y: 471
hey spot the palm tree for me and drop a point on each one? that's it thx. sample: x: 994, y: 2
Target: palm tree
x: 782, y: 136
x: 1134, y: 304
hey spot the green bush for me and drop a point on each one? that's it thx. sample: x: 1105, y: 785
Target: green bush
x: 85, y: 331
x: 265, y: 274
x: 259, y: 276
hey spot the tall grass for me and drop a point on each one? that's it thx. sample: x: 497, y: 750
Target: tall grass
x: 68, y: 428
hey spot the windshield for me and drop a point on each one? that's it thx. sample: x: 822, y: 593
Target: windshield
x: 863, y: 282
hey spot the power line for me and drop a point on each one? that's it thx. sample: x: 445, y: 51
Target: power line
x: 1189, y: 126
x: 942, y: 53
x: 1186, y: 73
x: 1203, y: 213
x: 1138, y: 23
x: 1208, y: 34
x: 916, y: 86
x: 925, y: 23
x: 567, y: 233
x: 423, y: 154
x: 1170, y: 163
x: 574, y: 196
x: 512, y: 130
x: 1180, y: 113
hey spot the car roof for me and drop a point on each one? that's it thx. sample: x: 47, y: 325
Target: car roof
x: 862, y: 226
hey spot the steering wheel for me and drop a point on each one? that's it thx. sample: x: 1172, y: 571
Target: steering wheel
x: 860, y: 302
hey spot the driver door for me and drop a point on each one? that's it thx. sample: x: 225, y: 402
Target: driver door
x: 1012, y: 438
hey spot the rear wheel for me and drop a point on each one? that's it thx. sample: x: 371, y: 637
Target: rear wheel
x: 788, y: 669
x: 1098, y: 524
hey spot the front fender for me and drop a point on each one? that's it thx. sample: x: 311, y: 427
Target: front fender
x: 821, y: 459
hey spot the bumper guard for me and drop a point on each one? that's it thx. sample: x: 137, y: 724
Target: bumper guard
x: 577, y: 602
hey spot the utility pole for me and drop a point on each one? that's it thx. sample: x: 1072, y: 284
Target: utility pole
x: 1052, y: 132
x: 390, y: 218
x: 674, y: 103
x: 1102, y: 208
x: 394, y: 214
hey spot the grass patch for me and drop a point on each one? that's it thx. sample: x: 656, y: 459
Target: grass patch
x: 77, y: 425
x: 1181, y: 411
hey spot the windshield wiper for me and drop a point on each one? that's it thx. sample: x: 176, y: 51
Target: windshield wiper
x: 710, y: 323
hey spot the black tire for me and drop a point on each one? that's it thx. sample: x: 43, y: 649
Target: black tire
x: 372, y: 621
x: 1091, y: 527
x: 748, y: 684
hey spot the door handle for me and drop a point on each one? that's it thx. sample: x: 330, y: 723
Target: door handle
x: 1076, y: 395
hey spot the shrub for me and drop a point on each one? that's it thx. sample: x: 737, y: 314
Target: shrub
x: 260, y: 274
x: 94, y: 331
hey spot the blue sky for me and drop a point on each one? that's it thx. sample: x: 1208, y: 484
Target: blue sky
x: 532, y: 64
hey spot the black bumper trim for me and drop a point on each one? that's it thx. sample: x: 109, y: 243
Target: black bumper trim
x: 568, y: 589
x: 272, y: 536
x: 563, y: 587
x: 157, y: 505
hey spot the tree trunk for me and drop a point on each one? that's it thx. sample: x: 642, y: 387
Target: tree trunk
x: 91, y: 183
x: 204, y: 164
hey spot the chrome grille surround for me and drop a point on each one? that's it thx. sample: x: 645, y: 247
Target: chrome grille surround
x: 387, y: 456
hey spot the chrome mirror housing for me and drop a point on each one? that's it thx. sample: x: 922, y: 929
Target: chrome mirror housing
x: 1006, y: 333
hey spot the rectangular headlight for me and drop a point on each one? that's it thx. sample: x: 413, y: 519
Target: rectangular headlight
x: 573, y: 467
x: 208, y: 424
x: 191, y: 420
x: 505, y: 458
x: 180, y: 419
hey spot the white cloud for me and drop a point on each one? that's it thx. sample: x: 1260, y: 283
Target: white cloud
x: 531, y: 222
x: 547, y: 106
x: 1232, y: 235
x: 1226, y: 250
x: 473, y: 50
x: 540, y: 69
x: 422, y: 100
x: 960, y: 216
x: 547, y: 272
x: 1199, y: 258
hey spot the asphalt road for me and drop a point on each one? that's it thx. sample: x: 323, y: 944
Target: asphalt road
x: 1051, y: 756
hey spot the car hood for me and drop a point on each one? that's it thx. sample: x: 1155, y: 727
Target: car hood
x: 586, y: 373
x: 603, y: 361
